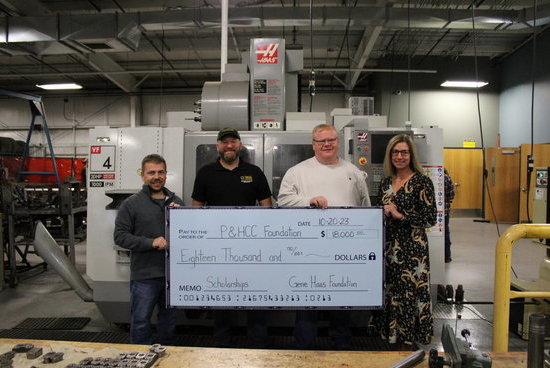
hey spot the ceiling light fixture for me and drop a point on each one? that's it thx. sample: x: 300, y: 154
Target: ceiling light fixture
x: 60, y: 86
x: 464, y: 84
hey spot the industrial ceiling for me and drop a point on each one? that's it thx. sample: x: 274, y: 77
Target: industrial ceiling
x: 154, y: 46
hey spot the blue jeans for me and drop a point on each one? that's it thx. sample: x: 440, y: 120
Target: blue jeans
x: 144, y: 296
x: 305, y: 330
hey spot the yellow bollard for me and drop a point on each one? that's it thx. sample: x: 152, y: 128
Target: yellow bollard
x: 503, y: 267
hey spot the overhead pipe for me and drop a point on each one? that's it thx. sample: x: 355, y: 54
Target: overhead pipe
x: 199, y: 71
x: 47, y: 248
x: 225, y: 22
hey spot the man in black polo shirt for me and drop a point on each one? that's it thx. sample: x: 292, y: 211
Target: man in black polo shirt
x: 230, y: 181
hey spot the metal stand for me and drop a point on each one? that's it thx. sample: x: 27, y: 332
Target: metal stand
x: 37, y: 109
x: 55, y: 206
x: 61, y: 202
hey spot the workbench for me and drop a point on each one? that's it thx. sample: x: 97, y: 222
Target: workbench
x: 193, y: 357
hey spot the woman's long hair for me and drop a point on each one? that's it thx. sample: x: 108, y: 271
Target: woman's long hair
x: 414, y: 164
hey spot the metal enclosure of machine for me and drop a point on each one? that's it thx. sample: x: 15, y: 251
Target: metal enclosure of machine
x: 114, y: 174
x: 115, y: 159
x: 273, y: 152
x: 365, y: 148
x: 257, y: 94
x: 225, y: 101
x: 200, y: 149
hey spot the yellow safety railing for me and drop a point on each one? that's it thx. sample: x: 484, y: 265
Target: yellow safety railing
x: 503, y: 266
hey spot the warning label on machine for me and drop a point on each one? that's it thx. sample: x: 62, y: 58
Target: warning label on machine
x: 260, y: 86
x: 101, y: 184
x: 102, y: 176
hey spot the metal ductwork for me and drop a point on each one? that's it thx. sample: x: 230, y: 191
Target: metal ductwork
x: 121, y: 31
x: 64, y: 34
x: 99, y: 33
x: 47, y: 248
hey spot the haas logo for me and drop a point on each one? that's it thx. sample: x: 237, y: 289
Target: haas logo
x: 362, y: 137
x: 267, y: 54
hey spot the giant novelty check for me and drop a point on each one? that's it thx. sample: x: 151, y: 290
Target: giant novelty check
x: 258, y: 257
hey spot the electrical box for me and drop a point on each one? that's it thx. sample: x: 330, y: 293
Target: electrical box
x: 361, y: 105
x: 267, y: 84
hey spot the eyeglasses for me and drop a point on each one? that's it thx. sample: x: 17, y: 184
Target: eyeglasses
x: 402, y: 153
x: 325, y: 141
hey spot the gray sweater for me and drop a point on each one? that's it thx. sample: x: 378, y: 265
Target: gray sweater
x: 139, y: 221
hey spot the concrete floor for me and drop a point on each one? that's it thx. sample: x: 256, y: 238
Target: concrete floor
x: 44, y: 294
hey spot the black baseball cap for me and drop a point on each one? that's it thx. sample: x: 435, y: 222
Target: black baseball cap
x: 228, y: 132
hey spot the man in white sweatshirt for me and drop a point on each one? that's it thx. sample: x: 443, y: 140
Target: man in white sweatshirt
x: 322, y: 181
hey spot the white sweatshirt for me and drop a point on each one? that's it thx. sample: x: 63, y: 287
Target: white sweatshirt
x: 341, y: 184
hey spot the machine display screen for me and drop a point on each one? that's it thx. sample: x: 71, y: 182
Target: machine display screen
x: 379, y: 141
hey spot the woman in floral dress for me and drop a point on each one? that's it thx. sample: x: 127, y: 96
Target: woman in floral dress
x: 408, y: 199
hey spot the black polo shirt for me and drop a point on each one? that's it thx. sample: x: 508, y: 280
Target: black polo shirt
x: 242, y: 186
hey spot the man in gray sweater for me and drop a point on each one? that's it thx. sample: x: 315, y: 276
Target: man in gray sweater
x: 139, y: 227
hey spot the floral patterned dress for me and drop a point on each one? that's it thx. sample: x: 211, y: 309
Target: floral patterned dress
x: 407, y: 317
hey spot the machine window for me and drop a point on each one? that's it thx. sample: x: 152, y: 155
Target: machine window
x: 284, y: 157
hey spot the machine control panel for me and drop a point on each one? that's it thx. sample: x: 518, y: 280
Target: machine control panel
x: 368, y: 148
x: 542, y: 178
x: 541, y: 211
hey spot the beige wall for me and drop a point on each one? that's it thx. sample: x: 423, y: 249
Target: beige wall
x: 454, y: 111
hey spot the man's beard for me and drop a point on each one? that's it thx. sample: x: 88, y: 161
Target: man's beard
x: 234, y: 155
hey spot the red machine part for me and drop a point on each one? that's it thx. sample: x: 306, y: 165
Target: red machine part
x: 66, y: 167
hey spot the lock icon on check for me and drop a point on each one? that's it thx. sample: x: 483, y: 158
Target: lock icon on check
x: 372, y: 256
